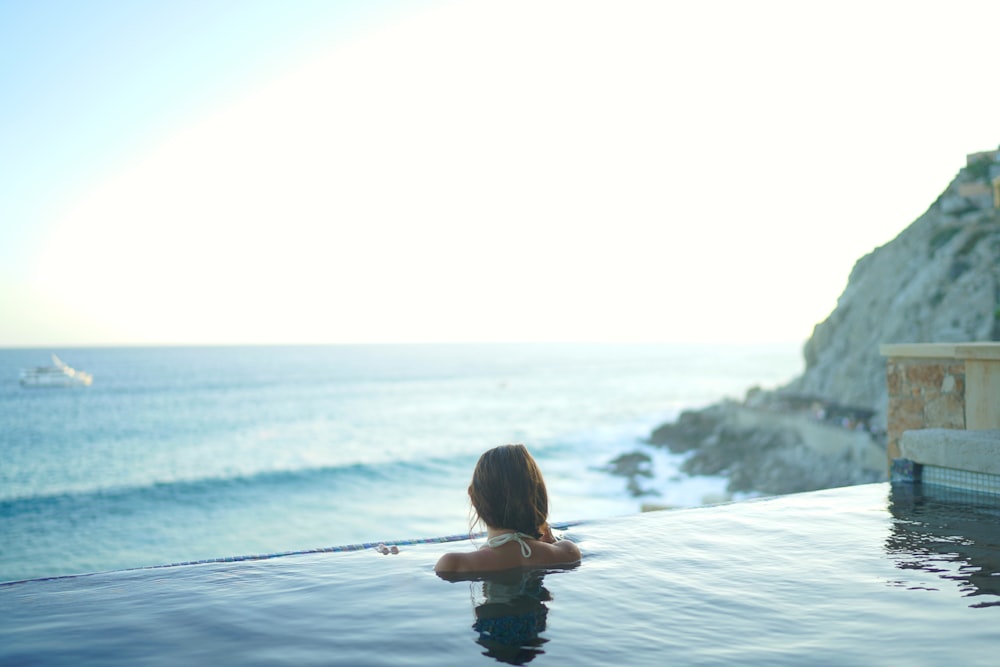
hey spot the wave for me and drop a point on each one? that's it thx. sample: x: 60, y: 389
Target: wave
x: 286, y: 480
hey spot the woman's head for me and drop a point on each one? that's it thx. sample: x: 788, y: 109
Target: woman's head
x: 508, y: 491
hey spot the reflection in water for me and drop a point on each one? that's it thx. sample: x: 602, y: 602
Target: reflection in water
x: 950, y: 533
x: 510, y: 613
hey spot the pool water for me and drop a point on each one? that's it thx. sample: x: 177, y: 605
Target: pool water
x: 871, y: 575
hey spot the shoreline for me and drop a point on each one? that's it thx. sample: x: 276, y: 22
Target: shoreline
x: 769, y: 444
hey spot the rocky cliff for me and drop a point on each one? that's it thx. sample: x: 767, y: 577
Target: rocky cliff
x: 938, y: 281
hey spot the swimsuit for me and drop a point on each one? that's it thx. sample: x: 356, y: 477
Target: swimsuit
x: 500, y: 540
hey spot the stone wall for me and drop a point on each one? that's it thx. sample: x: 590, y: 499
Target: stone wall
x: 941, y: 385
x: 923, y: 393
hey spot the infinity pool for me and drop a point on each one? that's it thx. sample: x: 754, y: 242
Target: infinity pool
x: 867, y: 575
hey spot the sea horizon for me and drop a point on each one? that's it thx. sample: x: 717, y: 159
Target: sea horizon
x: 179, y: 453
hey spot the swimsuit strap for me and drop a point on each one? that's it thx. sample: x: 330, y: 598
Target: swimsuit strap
x: 500, y: 540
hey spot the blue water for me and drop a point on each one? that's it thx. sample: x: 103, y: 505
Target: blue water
x: 857, y: 576
x: 181, y: 454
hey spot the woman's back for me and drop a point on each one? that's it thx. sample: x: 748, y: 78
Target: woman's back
x: 505, y: 550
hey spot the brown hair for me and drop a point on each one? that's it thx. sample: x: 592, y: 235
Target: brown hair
x: 508, y: 491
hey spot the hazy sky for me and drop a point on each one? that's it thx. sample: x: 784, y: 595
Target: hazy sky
x: 323, y: 172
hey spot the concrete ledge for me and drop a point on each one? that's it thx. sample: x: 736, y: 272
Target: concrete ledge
x: 987, y: 351
x: 974, y: 451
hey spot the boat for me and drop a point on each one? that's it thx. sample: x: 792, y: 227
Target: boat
x: 57, y: 375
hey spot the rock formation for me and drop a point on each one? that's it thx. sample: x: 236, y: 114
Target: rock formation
x: 632, y: 466
x: 938, y: 281
x: 769, y: 450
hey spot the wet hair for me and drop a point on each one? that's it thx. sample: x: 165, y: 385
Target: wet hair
x: 508, y: 491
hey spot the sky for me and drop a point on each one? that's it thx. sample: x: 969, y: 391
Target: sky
x: 241, y: 172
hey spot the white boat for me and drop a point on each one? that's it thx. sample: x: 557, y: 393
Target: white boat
x: 57, y: 375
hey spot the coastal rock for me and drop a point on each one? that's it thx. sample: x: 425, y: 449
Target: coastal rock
x: 632, y: 466
x: 688, y: 431
x: 937, y: 281
x: 772, y: 452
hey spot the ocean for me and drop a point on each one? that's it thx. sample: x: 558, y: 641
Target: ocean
x: 176, y: 454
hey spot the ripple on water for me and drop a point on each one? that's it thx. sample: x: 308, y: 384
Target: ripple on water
x: 862, y: 575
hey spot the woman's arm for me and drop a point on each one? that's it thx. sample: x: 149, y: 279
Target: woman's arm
x: 450, y: 562
x: 571, y: 551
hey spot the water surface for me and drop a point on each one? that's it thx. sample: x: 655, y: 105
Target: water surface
x: 854, y: 576
x: 177, y: 453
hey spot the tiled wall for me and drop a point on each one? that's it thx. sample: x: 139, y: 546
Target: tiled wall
x: 977, y: 482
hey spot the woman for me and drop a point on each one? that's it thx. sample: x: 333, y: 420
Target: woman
x: 508, y: 495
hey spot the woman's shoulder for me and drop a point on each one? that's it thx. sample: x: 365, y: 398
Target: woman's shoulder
x: 450, y: 562
x: 562, y: 552
x: 543, y: 553
x: 469, y: 561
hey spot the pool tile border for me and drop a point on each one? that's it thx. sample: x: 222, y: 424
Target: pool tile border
x: 905, y: 471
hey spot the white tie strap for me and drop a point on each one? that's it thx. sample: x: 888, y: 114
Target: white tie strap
x: 500, y: 540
